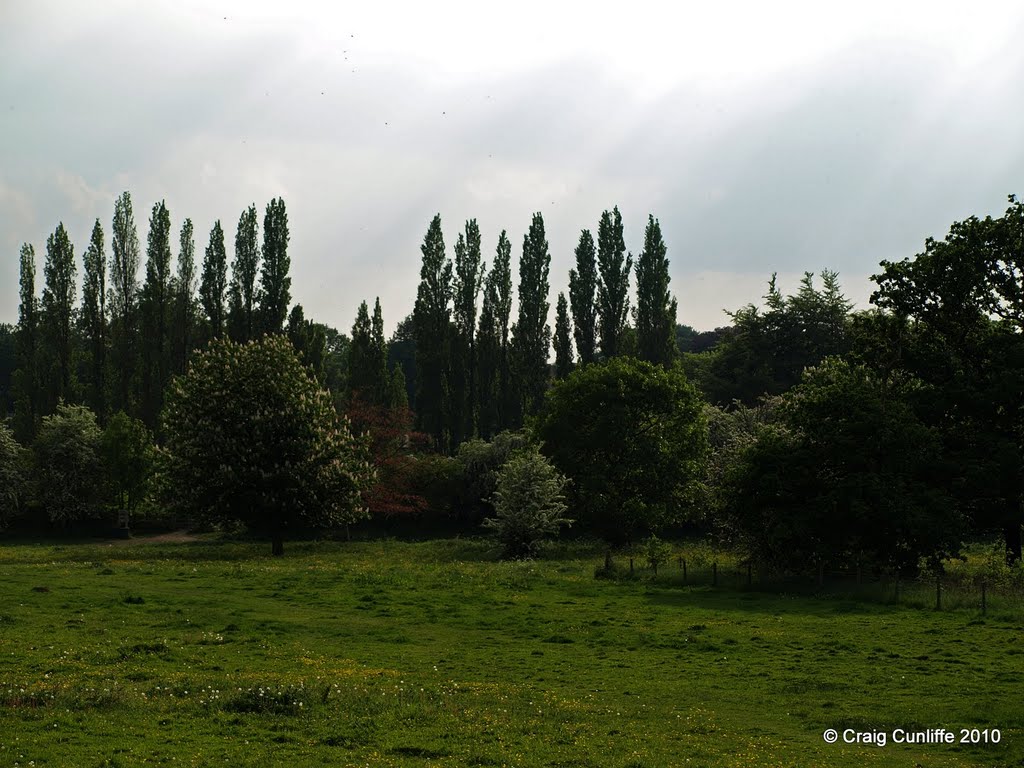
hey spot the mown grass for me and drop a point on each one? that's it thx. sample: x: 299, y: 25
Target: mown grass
x: 388, y: 653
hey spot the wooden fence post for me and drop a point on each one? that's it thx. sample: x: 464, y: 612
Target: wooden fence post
x: 750, y: 575
x: 714, y: 574
x: 631, y: 566
x: 984, y: 607
x: 684, y: 570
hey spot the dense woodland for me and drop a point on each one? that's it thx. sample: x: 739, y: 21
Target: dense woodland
x: 803, y: 433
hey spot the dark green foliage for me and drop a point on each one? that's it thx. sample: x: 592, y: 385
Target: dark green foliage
x: 528, y: 503
x: 402, y: 352
x: 67, y: 465
x: 367, y: 357
x: 531, y: 335
x: 57, y: 317
x: 214, y: 285
x: 310, y: 343
x: 93, y: 321
x: 431, y: 319
x: 469, y: 277
x: 766, y: 352
x: 26, y: 384
x: 8, y: 365
x: 127, y: 451
x: 655, y: 313
x: 480, y: 461
x: 633, y: 440
x: 563, y: 339
x: 13, y: 476
x: 123, y: 300
x: 275, y: 284
x: 851, y: 476
x: 242, y: 323
x: 184, y: 299
x: 156, y: 307
x: 964, y: 298
x: 252, y: 437
x: 613, y: 281
x: 583, y: 298
x: 492, y: 342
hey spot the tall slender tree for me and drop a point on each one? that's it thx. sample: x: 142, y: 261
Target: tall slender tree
x: 245, y: 267
x: 94, y: 321
x: 582, y: 298
x: 362, y: 377
x: 613, y: 282
x: 275, y: 284
x: 156, y: 310
x: 27, y: 406
x: 214, y: 283
x: 563, y: 339
x: 488, y: 350
x: 58, y: 313
x: 185, y: 297
x: 431, y: 318
x: 469, y: 274
x: 531, y: 335
x: 501, y: 275
x: 123, y: 299
x: 655, y: 313
x: 379, y: 354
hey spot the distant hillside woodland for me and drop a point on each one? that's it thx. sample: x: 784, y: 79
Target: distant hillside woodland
x: 803, y: 434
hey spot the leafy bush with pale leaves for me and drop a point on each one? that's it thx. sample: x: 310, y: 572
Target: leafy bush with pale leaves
x: 13, y: 476
x: 68, y: 467
x: 529, y: 504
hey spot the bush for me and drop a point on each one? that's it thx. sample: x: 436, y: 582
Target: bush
x: 127, y: 449
x: 480, y: 462
x: 13, y: 476
x: 67, y: 464
x: 529, y: 504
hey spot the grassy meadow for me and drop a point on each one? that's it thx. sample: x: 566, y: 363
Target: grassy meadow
x: 210, y: 652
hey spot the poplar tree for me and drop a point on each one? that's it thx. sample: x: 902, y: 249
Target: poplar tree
x: 124, y: 268
x: 501, y: 279
x: 94, y: 321
x: 531, y: 335
x: 214, y: 283
x: 275, y: 284
x: 242, y: 293
x: 488, y: 349
x: 613, y: 282
x: 367, y: 357
x: 563, y: 339
x: 27, y: 408
x: 431, y: 318
x: 58, y: 309
x: 185, y: 299
x: 469, y: 274
x: 582, y: 298
x: 655, y: 313
x: 156, y: 307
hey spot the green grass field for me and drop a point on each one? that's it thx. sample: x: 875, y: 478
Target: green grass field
x: 388, y: 653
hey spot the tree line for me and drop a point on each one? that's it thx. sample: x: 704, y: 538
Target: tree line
x: 803, y: 432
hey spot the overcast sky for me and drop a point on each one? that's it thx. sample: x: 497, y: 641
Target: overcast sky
x: 766, y: 137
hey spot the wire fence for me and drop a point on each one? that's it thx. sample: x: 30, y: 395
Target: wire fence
x: 999, y: 597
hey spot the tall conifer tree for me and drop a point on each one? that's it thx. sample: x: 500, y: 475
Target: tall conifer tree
x: 124, y: 287
x: 214, y: 285
x: 27, y: 405
x: 58, y: 312
x: 655, y: 314
x: 531, y: 335
x: 275, y: 284
x: 469, y: 274
x: 156, y: 311
x: 563, y: 339
x: 583, y: 298
x: 94, y: 321
x: 431, y: 318
x: 244, y: 269
x: 613, y: 283
x: 184, y: 311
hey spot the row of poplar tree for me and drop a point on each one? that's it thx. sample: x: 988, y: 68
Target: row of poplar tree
x: 481, y: 373
x: 118, y: 349
x: 477, y: 369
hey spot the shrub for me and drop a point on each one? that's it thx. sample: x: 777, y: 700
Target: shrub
x: 67, y: 464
